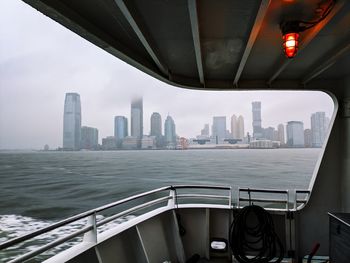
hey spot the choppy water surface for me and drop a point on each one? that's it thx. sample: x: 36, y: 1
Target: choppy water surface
x: 38, y: 188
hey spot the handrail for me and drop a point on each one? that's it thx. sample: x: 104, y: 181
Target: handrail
x: 285, y: 200
x: 94, y: 211
x: 172, y: 197
x: 74, y: 218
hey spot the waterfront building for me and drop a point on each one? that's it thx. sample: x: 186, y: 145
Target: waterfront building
x: 72, y: 122
x: 280, y: 130
x: 205, y: 130
x: 120, y: 127
x: 240, y: 125
x: 319, y: 127
x: 170, y: 132
x: 219, y: 129
x: 148, y: 142
x: 295, y: 134
x: 308, y: 138
x: 234, y: 127
x: 156, y: 125
x: 109, y: 143
x: 269, y: 133
x: 257, y: 129
x: 89, y: 138
x: 131, y: 143
x: 261, y: 144
x: 137, y: 119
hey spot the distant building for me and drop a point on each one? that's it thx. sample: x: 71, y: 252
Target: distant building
x: 268, y: 133
x: 170, y: 132
x: 295, y: 134
x: 156, y: 125
x: 234, y: 127
x: 308, y: 138
x: 280, y: 130
x: 219, y: 129
x: 261, y: 144
x: 257, y: 129
x: 72, y: 122
x: 205, y: 130
x: 156, y: 129
x: 137, y: 119
x: 109, y: 143
x: 130, y: 143
x: 240, y: 125
x: 148, y: 142
x: 89, y: 138
x: 120, y: 127
x: 319, y: 127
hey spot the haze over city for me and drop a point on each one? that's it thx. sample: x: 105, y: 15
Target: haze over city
x: 40, y: 61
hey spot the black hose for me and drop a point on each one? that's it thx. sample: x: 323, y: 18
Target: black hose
x: 252, y: 234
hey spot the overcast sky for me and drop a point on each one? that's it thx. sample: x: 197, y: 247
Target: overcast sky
x: 41, y: 60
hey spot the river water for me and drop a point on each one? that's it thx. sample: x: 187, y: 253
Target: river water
x: 38, y: 188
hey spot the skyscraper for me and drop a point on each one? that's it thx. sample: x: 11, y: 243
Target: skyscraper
x: 234, y: 127
x: 89, y: 138
x: 120, y: 127
x: 205, y: 130
x: 240, y: 125
x: 280, y: 130
x: 170, y: 131
x: 156, y: 125
x: 219, y: 129
x: 137, y: 119
x: 256, y: 110
x: 308, y: 138
x: 295, y: 134
x: 319, y: 128
x: 72, y: 122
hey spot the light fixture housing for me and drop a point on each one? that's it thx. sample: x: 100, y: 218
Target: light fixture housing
x: 290, y: 44
x: 290, y: 31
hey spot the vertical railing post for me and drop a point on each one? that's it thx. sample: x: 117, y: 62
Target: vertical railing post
x: 230, y: 198
x: 238, y: 193
x: 91, y: 236
x: 172, y: 201
x: 287, y: 205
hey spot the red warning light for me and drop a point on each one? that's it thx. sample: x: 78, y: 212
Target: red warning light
x: 290, y: 44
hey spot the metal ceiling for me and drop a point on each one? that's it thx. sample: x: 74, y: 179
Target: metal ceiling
x: 205, y: 44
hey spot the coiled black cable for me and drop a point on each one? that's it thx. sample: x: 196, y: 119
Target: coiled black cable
x: 252, y: 233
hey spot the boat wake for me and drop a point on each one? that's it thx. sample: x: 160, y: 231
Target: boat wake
x: 12, y: 226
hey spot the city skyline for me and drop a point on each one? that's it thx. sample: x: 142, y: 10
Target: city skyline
x: 54, y: 61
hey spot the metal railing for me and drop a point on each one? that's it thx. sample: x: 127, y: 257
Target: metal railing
x: 288, y: 200
x: 90, y: 230
x: 171, y: 200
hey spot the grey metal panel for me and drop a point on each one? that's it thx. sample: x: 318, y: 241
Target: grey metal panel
x: 123, y: 248
x: 88, y: 256
x: 195, y: 240
x: 158, y: 238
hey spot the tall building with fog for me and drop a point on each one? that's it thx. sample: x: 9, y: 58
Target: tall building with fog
x: 257, y: 129
x: 72, y: 122
x: 205, y: 130
x: 295, y: 134
x: 137, y: 120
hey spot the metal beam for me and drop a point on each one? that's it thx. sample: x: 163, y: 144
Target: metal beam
x: 253, y: 34
x: 328, y: 61
x: 192, y: 7
x: 307, y: 39
x: 143, y: 36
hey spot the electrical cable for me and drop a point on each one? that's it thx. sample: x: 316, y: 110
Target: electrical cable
x: 253, y: 238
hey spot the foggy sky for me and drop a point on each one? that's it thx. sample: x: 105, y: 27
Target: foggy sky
x: 41, y: 60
